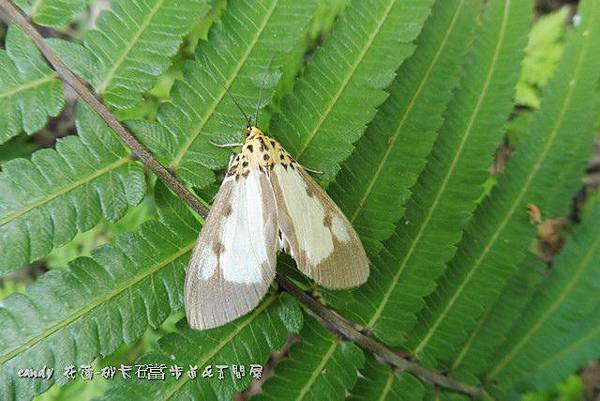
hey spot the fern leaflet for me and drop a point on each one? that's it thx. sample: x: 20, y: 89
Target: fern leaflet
x: 52, y: 13
x: 46, y: 201
x: 451, y: 183
x: 134, y: 42
x: 379, y: 382
x: 320, y: 366
x: 30, y: 92
x: 248, y: 340
x: 102, y: 301
x: 344, y: 82
x: 549, y: 161
x: 564, y: 298
x: 374, y: 182
x: 243, y: 51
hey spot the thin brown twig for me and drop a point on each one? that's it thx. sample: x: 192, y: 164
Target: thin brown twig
x: 328, y: 318
x: 339, y: 325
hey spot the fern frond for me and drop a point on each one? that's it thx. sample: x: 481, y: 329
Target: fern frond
x: 344, y: 82
x: 379, y: 382
x: 493, y: 326
x: 52, y: 13
x: 248, y: 340
x: 30, y: 92
x: 133, y: 45
x: 46, y: 201
x: 318, y: 367
x: 549, y: 161
x: 374, y: 182
x: 72, y: 316
x: 423, y: 81
x: 565, y: 297
x: 242, y: 53
x: 447, y: 190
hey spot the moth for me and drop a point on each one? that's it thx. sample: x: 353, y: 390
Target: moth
x: 267, y: 203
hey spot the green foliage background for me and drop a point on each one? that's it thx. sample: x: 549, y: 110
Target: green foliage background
x: 405, y: 105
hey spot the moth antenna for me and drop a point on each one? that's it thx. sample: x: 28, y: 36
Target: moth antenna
x: 228, y: 93
x: 260, y: 91
x: 237, y: 104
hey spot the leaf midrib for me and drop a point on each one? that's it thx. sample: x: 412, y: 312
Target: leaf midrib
x: 387, y: 387
x: 111, y: 73
x: 35, y: 7
x: 20, y: 212
x: 346, y: 80
x: 98, y: 302
x: 510, y: 213
x: 567, y: 350
x: 430, y: 212
x: 407, y: 112
x: 464, y: 351
x: 29, y: 85
x: 315, y: 374
x: 242, y: 61
x: 216, y: 349
x: 553, y: 307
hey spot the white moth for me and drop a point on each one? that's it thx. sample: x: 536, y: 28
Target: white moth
x: 267, y: 203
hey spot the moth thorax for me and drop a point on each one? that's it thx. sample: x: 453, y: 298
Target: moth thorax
x: 252, y: 131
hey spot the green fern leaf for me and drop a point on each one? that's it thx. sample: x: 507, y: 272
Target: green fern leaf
x: 448, y: 396
x: 565, y: 297
x: 30, y: 92
x: 319, y: 366
x: 248, y: 340
x: 441, y: 47
x: 46, y: 201
x: 451, y: 183
x: 580, y: 346
x: 72, y: 316
x: 492, y: 328
x: 243, y: 52
x: 344, y: 82
x: 52, y: 13
x: 133, y: 44
x: 550, y: 161
x: 379, y: 382
x: 374, y: 182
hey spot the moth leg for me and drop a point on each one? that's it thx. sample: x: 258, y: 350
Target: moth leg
x: 225, y: 145
x: 231, y: 157
x: 310, y: 170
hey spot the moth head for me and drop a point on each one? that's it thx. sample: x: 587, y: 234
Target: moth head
x: 251, y: 130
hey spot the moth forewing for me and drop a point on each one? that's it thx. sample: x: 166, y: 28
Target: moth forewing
x: 233, y: 263
x: 320, y: 238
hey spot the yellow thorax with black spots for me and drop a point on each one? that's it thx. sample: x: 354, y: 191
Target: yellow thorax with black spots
x: 259, y: 152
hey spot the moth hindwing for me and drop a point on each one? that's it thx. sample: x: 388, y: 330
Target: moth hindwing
x: 267, y: 202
